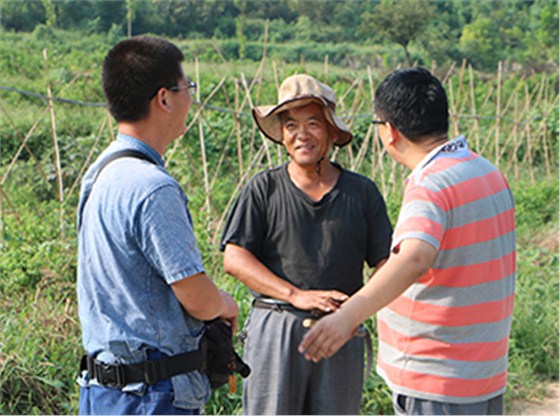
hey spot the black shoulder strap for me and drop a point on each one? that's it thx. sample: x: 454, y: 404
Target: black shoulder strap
x: 117, y: 155
x: 123, y: 153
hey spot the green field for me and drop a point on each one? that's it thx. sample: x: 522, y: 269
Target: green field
x: 510, y: 118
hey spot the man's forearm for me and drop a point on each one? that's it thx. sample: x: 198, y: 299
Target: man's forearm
x: 244, y: 266
x: 399, y: 272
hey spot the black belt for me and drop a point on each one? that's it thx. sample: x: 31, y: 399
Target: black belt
x: 273, y: 304
x: 149, y: 372
x: 314, y: 315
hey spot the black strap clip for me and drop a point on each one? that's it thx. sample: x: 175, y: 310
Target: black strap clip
x: 109, y: 374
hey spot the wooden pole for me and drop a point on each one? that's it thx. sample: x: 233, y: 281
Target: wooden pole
x: 57, y: 163
x: 24, y: 145
x: 529, y: 150
x: 476, y: 124
x: 452, y: 107
x: 238, y: 131
x: 202, y: 144
x: 498, y: 116
x: 515, y: 138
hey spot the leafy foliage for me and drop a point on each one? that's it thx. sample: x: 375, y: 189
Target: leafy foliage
x: 433, y: 30
x: 40, y: 336
x: 401, y: 21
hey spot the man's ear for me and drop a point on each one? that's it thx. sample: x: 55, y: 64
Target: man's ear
x: 161, y: 100
x: 394, y: 134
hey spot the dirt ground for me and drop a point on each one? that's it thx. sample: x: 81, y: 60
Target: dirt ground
x: 550, y: 405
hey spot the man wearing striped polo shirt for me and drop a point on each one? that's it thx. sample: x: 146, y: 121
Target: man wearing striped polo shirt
x: 445, y: 296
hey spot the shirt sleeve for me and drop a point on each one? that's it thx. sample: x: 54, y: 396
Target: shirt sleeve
x: 246, y: 223
x: 165, y: 234
x: 423, y: 216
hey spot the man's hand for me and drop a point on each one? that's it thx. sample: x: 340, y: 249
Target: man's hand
x: 324, y: 300
x: 403, y: 268
x: 230, y: 312
x: 327, y: 336
x: 243, y: 265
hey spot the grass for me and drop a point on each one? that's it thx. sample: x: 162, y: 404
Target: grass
x: 40, y: 335
x: 40, y: 342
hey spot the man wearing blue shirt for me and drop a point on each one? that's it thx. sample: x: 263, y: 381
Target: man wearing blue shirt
x: 142, y: 290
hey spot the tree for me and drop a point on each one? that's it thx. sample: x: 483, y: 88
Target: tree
x: 478, y: 42
x: 21, y: 15
x: 239, y: 26
x: 545, y: 30
x: 50, y: 13
x: 130, y: 12
x: 399, y: 21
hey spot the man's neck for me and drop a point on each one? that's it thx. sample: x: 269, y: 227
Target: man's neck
x: 416, y: 152
x: 145, y: 133
x: 314, y: 180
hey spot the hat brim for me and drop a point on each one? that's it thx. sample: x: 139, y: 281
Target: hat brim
x: 269, y: 122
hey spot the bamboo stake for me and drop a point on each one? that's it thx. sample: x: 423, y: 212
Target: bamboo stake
x: 13, y: 210
x: 515, y: 139
x: 238, y: 131
x: 363, y: 148
x: 24, y: 141
x: 498, y: 115
x: 88, y: 158
x: 279, y: 149
x: 223, y: 153
x: 449, y: 73
x: 452, y: 107
x: 529, y: 151
x: 201, y: 107
x: 473, y: 110
x: 375, y: 141
x: 219, y: 52
x: 512, y: 97
x: 393, y: 177
x: 111, y: 128
x: 536, y: 104
x: 377, y: 167
x: 258, y: 74
x: 202, y: 143
x: 354, y: 108
x: 24, y: 145
x: 264, y: 139
x: 460, y: 100
x: 57, y: 163
x: 542, y: 128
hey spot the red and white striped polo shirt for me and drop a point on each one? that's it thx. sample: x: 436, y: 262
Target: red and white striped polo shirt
x: 446, y: 337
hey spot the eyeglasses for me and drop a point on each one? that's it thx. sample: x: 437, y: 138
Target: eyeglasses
x: 191, y: 85
x: 378, y: 122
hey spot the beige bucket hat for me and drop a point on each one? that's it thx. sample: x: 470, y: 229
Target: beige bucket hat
x: 298, y: 91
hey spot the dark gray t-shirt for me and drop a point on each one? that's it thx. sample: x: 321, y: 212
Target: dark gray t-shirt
x: 312, y: 244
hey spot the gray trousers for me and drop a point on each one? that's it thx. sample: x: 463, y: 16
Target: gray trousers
x: 283, y: 382
x: 406, y: 405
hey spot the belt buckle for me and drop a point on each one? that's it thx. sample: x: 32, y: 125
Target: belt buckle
x: 308, y: 322
x: 109, y: 375
x: 313, y: 317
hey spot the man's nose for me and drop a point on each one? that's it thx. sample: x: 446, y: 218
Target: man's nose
x: 303, y: 133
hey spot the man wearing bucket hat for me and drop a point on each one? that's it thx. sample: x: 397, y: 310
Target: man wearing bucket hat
x: 298, y: 237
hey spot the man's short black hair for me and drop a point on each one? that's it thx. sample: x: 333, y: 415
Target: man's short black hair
x: 414, y: 102
x: 134, y: 70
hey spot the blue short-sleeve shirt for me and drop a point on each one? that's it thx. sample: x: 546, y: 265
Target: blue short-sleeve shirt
x: 135, y: 239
